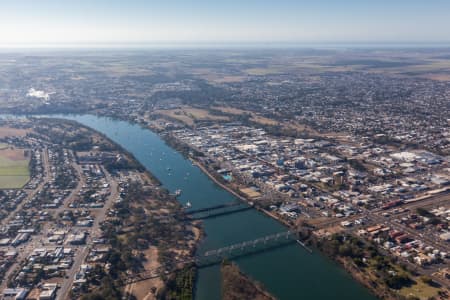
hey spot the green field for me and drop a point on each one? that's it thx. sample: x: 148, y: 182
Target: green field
x: 13, y: 173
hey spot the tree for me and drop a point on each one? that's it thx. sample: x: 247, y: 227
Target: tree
x: 426, y: 279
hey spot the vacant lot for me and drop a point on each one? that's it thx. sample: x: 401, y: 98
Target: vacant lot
x: 213, y: 75
x: 232, y: 110
x: 251, y: 193
x: 254, y: 117
x: 190, y: 115
x: 7, y: 131
x: 438, y: 77
x: 143, y: 289
x: 420, y: 290
x: 14, y: 172
x: 264, y: 71
x: 263, y: 120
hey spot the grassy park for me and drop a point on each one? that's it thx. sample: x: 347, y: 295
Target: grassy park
x: 14, y: 171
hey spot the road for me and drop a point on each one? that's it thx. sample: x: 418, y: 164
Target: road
x: 81, y: 252
x: 435, y: 200
x: 26, y: 250
x: 412, y: 232
x: 431, y: 240
x: 95, y: 232
x: 375, y: 217
x: 69, y: 199
x: 80, y: 257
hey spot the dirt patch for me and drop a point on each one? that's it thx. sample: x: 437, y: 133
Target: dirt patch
x: 438, y: 77
x: 324, y: 232
x: 10, y: 132
x: 143, y: 289
x: 420, y: 290
x: 264, y: 120
x: 249, y: 192
x: 228, y: 79
x: 232, y: 110
x: 13, y: 154
x: 263, y: 71
x: 189, y: 116
x: 212, y: 75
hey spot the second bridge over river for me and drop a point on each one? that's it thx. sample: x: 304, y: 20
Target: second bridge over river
x: 216, y: 256
x: 248, y: 247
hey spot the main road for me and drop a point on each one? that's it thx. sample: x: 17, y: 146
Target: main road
x: 95, y: 232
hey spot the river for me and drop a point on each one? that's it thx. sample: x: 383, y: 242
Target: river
x: 289, y: 272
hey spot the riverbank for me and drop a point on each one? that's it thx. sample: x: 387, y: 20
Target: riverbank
x: 135, y: 234
x: 130, y: 157
x: 202, y: 192
x: 355, y: 273
x: 237, y: 285
x: 237, y: 195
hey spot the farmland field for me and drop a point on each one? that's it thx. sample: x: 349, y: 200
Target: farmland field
x: 14, y: 172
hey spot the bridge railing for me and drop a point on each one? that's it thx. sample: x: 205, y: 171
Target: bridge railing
x: 218, y: 255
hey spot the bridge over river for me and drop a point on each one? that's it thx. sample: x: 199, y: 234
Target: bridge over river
x: 287, y: 271
x: 217, y: 210
x: 216, y: 256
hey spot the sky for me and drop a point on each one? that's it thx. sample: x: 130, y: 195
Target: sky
x: 89, y: 22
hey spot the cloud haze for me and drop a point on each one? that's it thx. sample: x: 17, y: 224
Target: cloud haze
x: 139, y: 21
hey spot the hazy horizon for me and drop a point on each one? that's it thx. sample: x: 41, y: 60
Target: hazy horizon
x: 226, y: 45
x: 175, y: 22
